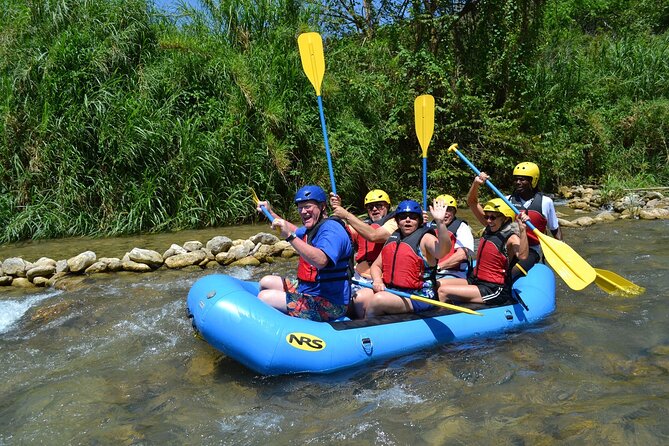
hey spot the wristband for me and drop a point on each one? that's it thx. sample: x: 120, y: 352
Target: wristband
x: 291, y: 237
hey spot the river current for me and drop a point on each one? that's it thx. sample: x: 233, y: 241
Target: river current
x: 114, y: 361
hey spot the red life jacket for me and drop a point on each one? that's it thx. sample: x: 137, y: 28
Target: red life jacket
x: 309, y: 273
x: 403, y: 264
x: 492, y: 259
x: 535, y: 212
x: 366, y: 250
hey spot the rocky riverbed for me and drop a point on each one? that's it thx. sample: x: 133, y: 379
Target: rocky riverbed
x: 264, y: 247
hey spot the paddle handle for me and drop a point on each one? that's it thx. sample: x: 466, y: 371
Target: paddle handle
x: 267, y: 214
x: 327, y: 145
x: 491, y: 186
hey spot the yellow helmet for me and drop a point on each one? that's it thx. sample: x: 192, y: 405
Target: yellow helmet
x: 376, y: 195
x: 450, y: 201
x: 498, y: 205
x: 528, y: 169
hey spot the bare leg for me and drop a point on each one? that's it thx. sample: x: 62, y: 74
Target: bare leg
x: 458, y: 290
x: 362, y: 298
x: 271, y: 283
x: 274, y: 298
x: 386, y: 303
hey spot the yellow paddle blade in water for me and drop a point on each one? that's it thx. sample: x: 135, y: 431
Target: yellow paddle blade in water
x: 313, y: 59
x: 612, y: 283
x: 571, y: 267
x: 424, y: 112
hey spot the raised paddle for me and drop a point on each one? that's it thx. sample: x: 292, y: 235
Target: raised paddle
x: 264, y: 210
x: 313, y: 63
x: 436, y: 303
x: 571, y: 267
x: 612, y: 283
x: 424, y: 112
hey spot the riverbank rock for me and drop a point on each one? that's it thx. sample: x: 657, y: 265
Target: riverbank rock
x: 187, y: 259
x: 147, y: 257
x: 193, y: 245
x: 219, y: 244
x: 14, y: 266
x: 80, y: 262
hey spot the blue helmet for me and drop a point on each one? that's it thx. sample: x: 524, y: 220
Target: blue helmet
x: 409, y: 206
x: 310, y: 192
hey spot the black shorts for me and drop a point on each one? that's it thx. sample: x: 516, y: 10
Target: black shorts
x: 492, y: 293
x: 532, y: 259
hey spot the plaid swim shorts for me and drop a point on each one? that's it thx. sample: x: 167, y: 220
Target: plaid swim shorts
x: 305, y: 306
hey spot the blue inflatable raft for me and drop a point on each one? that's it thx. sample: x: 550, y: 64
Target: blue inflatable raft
x: 227, y: 314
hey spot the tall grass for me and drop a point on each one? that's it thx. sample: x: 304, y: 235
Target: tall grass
x: 116, y: 119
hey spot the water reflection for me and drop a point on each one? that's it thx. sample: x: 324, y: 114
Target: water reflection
x: 115, y: 361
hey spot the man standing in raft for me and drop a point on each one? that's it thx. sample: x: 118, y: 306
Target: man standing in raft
x: 370, y: 234
x: 539, y: 208
x: 323, y: 290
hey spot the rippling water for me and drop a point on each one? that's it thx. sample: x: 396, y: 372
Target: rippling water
x: 115, y: 362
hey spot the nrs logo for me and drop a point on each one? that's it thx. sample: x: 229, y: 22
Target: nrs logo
x: 305, y: 341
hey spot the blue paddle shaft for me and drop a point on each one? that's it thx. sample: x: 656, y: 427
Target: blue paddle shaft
x: 327, y: 144
x: 267, y: 214
x: 397, y: 292
x: 492, y: 186
x: 424, y: 184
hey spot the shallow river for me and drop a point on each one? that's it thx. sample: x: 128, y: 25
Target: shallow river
x: 115, y: 362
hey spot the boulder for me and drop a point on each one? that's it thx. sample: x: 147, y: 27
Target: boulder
x: 45, y: 261
x: 40, y: 281
x: 97, y: 267
x: 246, y: 261
x: 193, y: 245
x: 146, y: 256
x: 14, y: 266
x: 584, y: 221
x: 264, y: 238
x: 135, y: 267
x: 80, y: 262
x: 224, y: 258
x: 652, y: 214
x: 219, y: 244
x: 566, y: 223
x: 606, y: 216
x: 113, y: 264
x: 187, y: 259
x: 6, y: 280
x: 241, y: 250
x: 44, y: 270
x: 22, y: 282
x: 265, y: 252
x: 173, y: 250
x: 61, y: 266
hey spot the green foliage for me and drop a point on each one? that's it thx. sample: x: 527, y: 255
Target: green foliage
x: 117, y: 119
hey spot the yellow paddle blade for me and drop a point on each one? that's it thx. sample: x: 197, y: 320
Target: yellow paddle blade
x: 424, y: 111
x: 254, y: 196
x: 612, y: 283
x: 438, y: 303
x: 571, y: 267
x: 313, y: 60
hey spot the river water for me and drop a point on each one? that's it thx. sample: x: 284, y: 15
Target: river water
x: 114, y: 361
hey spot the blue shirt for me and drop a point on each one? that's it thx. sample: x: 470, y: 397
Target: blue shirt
x: 334, y: 241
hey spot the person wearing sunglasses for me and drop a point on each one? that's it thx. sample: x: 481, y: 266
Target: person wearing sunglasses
x: 323, y: 290
x: 500, y: 246
x: 369, y: 234
x: 458, y: 260
x: 538, y: 206
x: 407, y: 262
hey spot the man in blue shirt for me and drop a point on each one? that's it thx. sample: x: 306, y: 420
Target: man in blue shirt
x: 323, y: 290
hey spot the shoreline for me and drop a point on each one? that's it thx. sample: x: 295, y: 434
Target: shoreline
x: 263, y: 247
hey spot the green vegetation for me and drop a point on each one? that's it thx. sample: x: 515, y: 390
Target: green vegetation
x: 118, y: 118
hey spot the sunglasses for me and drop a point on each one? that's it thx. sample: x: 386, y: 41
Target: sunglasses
x: 491, y: 217
x: 405, y: 215
x: 371, y: 206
